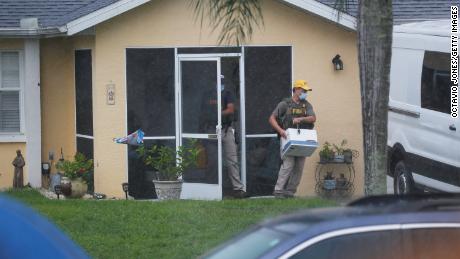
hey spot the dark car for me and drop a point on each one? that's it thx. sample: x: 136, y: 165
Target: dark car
x: 417, y: 226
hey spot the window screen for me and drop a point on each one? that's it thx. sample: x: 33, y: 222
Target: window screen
x: 9, y: 92
x: 151, y: 107
x: 435, y: 86
x: 10, y: 69
x: 83, y: 92
x: 263, y: 163
x: 85, y: 146
x: 150, y: 90
x: 84, y: 107
x: 267, y: 81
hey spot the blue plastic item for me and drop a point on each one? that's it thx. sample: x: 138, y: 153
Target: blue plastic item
x: 25, y: 234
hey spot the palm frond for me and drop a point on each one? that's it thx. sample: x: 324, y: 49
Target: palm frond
x: 236, y: 19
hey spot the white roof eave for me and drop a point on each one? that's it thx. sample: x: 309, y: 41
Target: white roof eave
x: 122, y: 6
x: 326, y: 12
x: 101, y: 15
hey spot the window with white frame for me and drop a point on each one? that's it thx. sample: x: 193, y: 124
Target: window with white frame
x: 10, y: 92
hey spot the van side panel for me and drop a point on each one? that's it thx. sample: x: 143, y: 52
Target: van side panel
x: 404, y: 102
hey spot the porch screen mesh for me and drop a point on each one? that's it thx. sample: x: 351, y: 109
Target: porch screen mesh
x: 150, y: 83
x: 83, y: 92
x: 267, y: 81
x: 151, y: 107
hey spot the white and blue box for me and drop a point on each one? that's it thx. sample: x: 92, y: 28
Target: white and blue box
x: 299, y: 142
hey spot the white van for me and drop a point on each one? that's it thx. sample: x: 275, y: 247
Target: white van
x: 423, y: 138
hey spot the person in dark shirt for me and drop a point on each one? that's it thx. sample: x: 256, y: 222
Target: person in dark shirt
x: 228, y: 134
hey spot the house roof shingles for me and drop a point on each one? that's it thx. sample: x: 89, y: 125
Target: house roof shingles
x: 405, y: 11
x: 50, y: 13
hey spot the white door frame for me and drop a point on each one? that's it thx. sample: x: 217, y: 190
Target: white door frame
x: 199, y: 190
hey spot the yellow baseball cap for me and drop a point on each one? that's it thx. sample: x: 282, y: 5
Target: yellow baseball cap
x: 301, y: 84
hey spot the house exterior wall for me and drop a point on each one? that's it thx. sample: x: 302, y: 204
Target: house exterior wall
x: 11, y: 44
x: 57, y: 86
x: 7, y: 148
x: 336, y: 94
x: 58, y: 94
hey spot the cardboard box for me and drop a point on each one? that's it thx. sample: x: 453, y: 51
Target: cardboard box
x: 299, y: 142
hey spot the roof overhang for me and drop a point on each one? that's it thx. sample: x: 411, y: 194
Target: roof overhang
x: 102, y: 15
x: 77, y: 25
x: 119, y: 7
x: 122, y: 6
x: 326, y: 12
x: 31, y: 33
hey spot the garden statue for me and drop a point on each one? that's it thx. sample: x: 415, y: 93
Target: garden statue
x: 18, y: 163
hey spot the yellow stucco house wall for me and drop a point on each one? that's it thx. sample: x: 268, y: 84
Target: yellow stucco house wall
x: 164, y: 23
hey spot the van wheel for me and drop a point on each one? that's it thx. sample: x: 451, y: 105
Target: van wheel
x: 402, y: 179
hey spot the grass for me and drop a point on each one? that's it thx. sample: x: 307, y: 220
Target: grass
x: 144, y: 229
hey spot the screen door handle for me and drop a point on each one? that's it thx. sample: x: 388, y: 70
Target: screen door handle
x: 218, y: 130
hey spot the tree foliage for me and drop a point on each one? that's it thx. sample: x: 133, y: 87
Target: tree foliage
x: 236, y: 19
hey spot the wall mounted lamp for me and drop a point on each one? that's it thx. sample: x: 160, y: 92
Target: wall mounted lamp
x: 338, y: 63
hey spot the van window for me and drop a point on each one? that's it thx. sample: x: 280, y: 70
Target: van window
x: 436, y: 82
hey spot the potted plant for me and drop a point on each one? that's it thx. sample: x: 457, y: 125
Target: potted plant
x: 330, y: 182
x: 326, y: 153
x: 350, y: 154
x: 169, y: 165
x: 75, y: 175
x: 342, y: 182
x: 344, y: 154
x: 338, y: 151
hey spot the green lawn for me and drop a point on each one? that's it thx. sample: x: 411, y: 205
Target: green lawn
x: 144, y: 229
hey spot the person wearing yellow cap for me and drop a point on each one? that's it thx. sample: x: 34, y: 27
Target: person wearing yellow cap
x: 293, y: 112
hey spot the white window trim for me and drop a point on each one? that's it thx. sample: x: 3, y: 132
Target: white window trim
x: 16, y: 136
